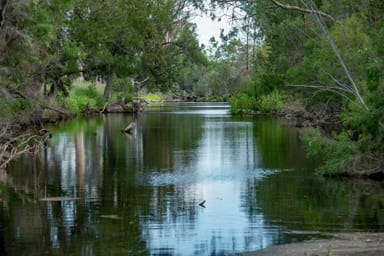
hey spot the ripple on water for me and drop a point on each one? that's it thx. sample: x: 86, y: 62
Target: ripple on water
x: 169, y: 177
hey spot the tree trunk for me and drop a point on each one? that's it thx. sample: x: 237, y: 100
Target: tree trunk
x: 108, y: 84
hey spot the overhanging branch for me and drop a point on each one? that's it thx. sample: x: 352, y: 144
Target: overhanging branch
x: 300, y: 9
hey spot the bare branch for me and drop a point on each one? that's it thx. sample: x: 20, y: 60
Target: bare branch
x: 3, y: 13
x: 317, y: 17
x: 326, y: 87
x: 334, y: 89
x: 339, y: 83
x: 13, y: 144
x: 300, y: 9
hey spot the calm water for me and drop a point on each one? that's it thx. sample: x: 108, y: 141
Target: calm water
x: 139, y: 194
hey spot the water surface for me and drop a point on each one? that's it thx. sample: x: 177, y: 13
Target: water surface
x: 139, y: 194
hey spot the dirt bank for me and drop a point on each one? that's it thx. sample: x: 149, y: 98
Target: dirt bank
x: 343, y: 244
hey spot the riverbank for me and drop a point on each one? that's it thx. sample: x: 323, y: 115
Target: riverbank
x: 342, y: 244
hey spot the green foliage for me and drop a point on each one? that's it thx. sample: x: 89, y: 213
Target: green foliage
x: 20, y: 105
x: 153, y: 97
x: 76, y: 104
x: 271, y: 102
x: 80, y: 98
x: 123, y: 90
x: 294, y: 50
x: 45, y: 44
x: 242, y: 103
x: 337, y: 152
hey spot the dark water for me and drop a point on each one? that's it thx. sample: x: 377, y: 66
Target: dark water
x: 140, y: 194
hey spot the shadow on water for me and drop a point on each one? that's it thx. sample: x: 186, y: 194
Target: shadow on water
x: 106, y: 193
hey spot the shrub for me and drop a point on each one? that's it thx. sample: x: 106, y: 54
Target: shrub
x: 80, y: 98
x: 123, y: 90
x: 274, y: 101
x: 242, y: 103
x: 338, y: 152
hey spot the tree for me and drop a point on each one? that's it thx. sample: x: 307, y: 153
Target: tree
x: 112, y: 34
x: 331, y: 47
x: 34, y: 52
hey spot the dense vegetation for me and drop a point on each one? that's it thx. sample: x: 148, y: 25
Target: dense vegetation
x: 316, y: 59
x: 321, y: 61
x: 46, y: 45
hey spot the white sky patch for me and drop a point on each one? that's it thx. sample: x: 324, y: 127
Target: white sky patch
x: 207, y: 28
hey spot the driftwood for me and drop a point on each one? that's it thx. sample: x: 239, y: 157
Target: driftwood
x: 104, y: 109
x: 14, y: 143
x: 63, y: 113
x: 59, y: 199
x: 111, y: 216
x: 129, y: 128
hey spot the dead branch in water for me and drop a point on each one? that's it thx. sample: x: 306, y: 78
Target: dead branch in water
x: 129, y: 128
x: 13, y: 145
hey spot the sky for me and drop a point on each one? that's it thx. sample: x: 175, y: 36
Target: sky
x: 206, y: 28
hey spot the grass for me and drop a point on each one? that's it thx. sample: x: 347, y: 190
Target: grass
x: 82, y: 94
x: 153, y: 97
x: 84, y: 85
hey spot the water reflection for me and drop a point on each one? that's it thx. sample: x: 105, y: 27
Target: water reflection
x: 140, y: 194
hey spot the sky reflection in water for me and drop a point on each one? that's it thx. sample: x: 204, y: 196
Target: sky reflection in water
x: 218, y: 172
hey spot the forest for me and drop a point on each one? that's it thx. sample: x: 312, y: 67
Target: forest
x: 319, y: 62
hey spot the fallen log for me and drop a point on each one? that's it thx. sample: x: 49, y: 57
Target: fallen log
x: 130, y: 127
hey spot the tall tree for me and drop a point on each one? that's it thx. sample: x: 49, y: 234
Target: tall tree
x: 112, y: 34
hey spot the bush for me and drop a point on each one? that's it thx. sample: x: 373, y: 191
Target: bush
x: 274, y: 101
x: 341, y: 155
x: 242, y: 103
x: 78, y: 103
x: 80, y: 98
x: 123, y: 90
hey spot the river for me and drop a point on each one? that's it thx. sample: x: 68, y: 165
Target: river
x: 190, y: 180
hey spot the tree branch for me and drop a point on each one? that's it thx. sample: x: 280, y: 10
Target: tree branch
x: 334, y: 89
x: 300, y: 9
x: 3, y: 13
x: 278, y: 4
x: 317, y: 17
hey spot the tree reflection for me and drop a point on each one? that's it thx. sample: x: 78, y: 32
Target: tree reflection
x: 301, y: 201
x: 140, y: 195
x: 72, y: 166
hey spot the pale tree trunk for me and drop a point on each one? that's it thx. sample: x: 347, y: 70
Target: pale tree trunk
x: 108, y: 84
x: 352, y: 88
x: 345, y: 90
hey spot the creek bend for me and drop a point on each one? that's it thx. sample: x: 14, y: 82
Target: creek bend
x: 96, y: 191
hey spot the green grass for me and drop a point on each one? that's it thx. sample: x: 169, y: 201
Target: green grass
x: 153, y: 97
x: 82, y: 94
x: 79, y: 86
